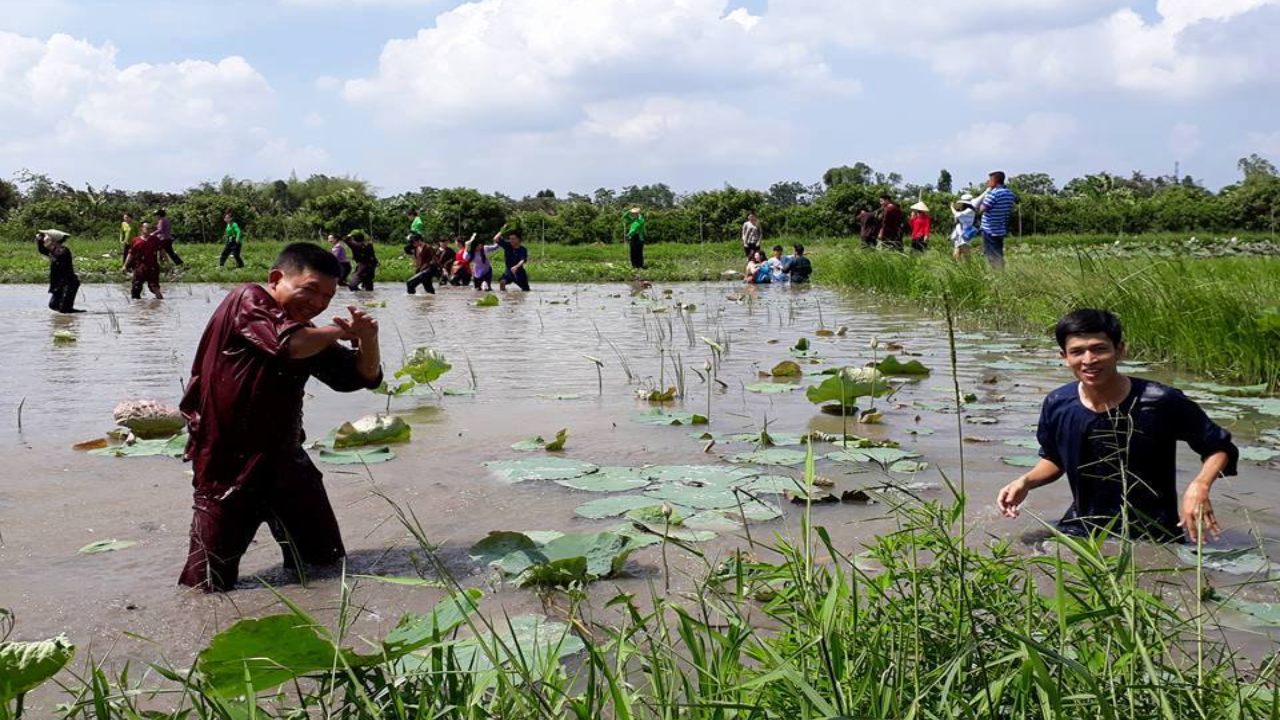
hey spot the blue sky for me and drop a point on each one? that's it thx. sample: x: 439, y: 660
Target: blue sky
x: 519, y: 95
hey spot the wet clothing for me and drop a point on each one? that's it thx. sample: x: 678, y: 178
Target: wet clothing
x: 144, y: 261
x: 340, y: 253
x: 891, y: 226
x: 799, y: 268
x: 164, y: 231
x: 513, y: 256
x: 868, y: 227
x: 1132, y: 445
x: 425, y: 269
x: 366, y: 261
x: 64, y: 284
x: 635, y: 237
x: 243, y: 407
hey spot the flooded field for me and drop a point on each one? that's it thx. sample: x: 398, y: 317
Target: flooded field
x: 528, y: 361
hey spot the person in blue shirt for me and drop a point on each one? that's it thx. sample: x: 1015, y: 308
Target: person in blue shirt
x: 996, y: 205
x: 798, y: 266
x: 516, y: 256
x: 1115, y: 438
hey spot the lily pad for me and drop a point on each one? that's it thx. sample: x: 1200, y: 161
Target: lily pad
x: 1258, y: 454
x: 614, y: 506
x: 1008, y: 365
x: 608, y: 479
x: 908, y: 466
x: 882, y: 455
x: 771, y: 388
x: 1020, y: 460
x: 424, y: 366
x: 698, y: 498
x: 489, y: 300
x: 262, y: 653
x: 786, y: 368
x: 402, y: 580
x: 770, y: 456
x: 658, y: 416
x: 25, y: 666
x: 102, y: 546
x: 1233, y: 561
x: 722, y: 476
x: 365, y: 456
x: 891, y: 365
x: 540, y: 468
x: 538, y: 443
x: 371, y: 430
x: 1266, y: 406
x: 532, y: 641
x: 1231, y: 390
x: 168, y: 447
x: 847, y: 385
x: 1028, y: 443
x: 571, y: 558
x: 64, y: 336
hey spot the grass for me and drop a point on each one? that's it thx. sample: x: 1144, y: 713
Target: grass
x: 1217, y: 316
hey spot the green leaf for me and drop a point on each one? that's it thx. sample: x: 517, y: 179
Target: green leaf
x: 771, y: 388
x: 458, y: 392
x: 499, y: 544
x: 698, y: 498
x: 891, y: 365
x: 722, y: 476
x: 371, y: 430
x: 802, y: 344
x: 1233, y: 561
x: 608, y: 479
x: 881, y: 455
x: 786, y: 368
x: 1020, y: 460
x: 364, y: 456
x: 24, y: 666
x: 424, y: 366
x: 908, y: 466
x: 167, y: 447
x: 402, y: 580
x: 534, y: 443
x: 102, y: 546
x: 531, y: 641
x: 489, y: 300
x: 1258, y: 454
x: 770, y: 456
x: 415, y: 631
x: 64, y: 336
x: 1231, y: 390
x: 558, y: 444
x: 540, y: 468
x: 658, y: 416
x: 264, y: 652
x: 847, y: 385
x: 614, y: 505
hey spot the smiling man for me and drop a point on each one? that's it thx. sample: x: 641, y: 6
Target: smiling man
x: 1115, y: 438
x: 243, y: 407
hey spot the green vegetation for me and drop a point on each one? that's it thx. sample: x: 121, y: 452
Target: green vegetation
x: 1218, y: 316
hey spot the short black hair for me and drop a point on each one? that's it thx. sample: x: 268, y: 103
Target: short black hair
x: 798, y: 248
x: 886, y: 196
x: 1088, y: 321
x: 160, y: 212
x: 302, y: 256
x: 517, y: 233
x: 411, y: 211
x: 777, y: 248
x: 998, y: 175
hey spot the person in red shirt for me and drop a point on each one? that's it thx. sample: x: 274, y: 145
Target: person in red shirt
x: 143, y: 259
x: 890, y: 234
x: 424, y: 266
x: 460, y: 274
x: 243, y: 407
x: 920, y: 222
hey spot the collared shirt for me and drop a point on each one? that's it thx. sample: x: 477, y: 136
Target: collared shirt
x: 1126, y: 455
x: 997, y: 205
x: 751, y: 234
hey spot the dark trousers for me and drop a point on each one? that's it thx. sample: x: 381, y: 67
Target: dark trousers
x: 150, y: 279
x: 173, y: 254
x: 637, y: 252
x: 484, y: 278
x: 62, y: 297
x: 422, y: 279
x: 295, y: 508
x: 919, y: 244
x: 869, y: 241
x: 362, y: 279
x: 993, y: 248
x: 518, y: 278
x: 231, y: 250
x: 461, y: 277
x: 346, y: 271
x: 893, y: 242
x: 750, y: 250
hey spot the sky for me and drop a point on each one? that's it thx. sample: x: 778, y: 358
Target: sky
x: 516, y: 96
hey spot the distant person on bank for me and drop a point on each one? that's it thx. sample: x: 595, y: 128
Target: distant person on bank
x: 996, y: 206
x: 126, y: 234
x: 231, y: 240
x: 752, y: 235
x: 964, y: 230
x: 633, y: 220
x: 890, y: 233
x: 868, y: 227
x: 64, y: 284
x: 921, y: 223
x: 143, y: 262
x: 1115, y: 438
x: 243, y: 407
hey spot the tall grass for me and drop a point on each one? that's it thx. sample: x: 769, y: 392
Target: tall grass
x: 1220, y: 317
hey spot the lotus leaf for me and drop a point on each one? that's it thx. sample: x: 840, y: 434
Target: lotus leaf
x: 758, y: 511
x: 615, y: 505
x: 366, y: 456
x: 1028, y: 443
x: 891, y: 365
x: 882, y: 455
x: 534, y: 443
x: 532, y: 641
x: 424, y: 366
x: 1008, y: 365
x: 908, y: 466
x: 658, y: 416
x: 402, y: 580
x: 489, y: 300
x: 169, y: 447
x: 1233, y: 561
x: 721, y: 476
x: 981, y: 420
x: 656, y: 514
x: 263, y: 653
x: 771, y: 388
x: 538, y: 443
x: 416, y: 631
x: 571, y: 558
x: 1020, y: 460
x: 102, y: 546
x: 656, y: 395
x: 458, y: 392
x: 1231, y: 390
x: 698, y: 498
x: 813, y: 497
x: 1266, y: 406
x: 710, y: 520
x: 1258, y: 454
x: 540, y: 468
x: 786, y: 368
x: 371, y: 430
x: 770, y: 456
x: 651, y: 533
x: 64, y: 336
x: 847, y: 385
x: 500, y: 543
x: 608, y: 479
x: 24, y: 666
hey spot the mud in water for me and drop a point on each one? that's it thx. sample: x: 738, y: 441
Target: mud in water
x: 531, y: 377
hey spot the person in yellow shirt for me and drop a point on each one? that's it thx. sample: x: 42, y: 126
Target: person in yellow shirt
x: 126, y: 234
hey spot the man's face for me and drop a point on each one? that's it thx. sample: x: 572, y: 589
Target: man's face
x: 991, y: 181
x: 303, y: 295
x: 145, y: 228
x: 515, y: 240
x: 1093, y: 358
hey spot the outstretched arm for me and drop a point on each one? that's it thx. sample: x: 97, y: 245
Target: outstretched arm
x: 1197, y: 511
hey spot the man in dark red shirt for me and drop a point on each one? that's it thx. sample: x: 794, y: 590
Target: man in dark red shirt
x: 243, y: 407
x: 890, y: 223
x: 143, y: 259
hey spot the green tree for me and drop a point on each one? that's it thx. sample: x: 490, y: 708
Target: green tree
x: 1032, y: 184
x: 859, y: 174
x: 944, y: 181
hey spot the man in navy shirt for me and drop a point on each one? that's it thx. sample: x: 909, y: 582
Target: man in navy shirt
x: 515, y: 255
x: 996, y: 206
x: 1115, y: 438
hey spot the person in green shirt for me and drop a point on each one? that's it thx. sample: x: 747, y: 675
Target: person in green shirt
x: 126, y: 234
x: 416, y: 226
x: 633, y: 220
x: 230, y: 241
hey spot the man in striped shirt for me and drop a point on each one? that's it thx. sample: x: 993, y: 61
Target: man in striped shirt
x: 997, y: 205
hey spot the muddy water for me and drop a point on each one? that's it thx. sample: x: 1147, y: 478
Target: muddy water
x: 54, y: 500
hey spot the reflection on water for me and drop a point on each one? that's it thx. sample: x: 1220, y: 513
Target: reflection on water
x: 519, y: 356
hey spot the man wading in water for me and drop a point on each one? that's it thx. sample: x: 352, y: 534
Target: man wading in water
x: 1115, y: 438
x: 243, y: 407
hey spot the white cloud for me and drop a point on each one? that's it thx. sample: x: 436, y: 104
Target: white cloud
x: 70, y: 109
x: 531, y: 64
x: 1037, y: 137
x: 691, y: 130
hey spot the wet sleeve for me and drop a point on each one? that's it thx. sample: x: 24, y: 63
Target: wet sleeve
x: 336, y: 367
x: 1203, y: 435
x: 1047, y: 435
x: 265, y: 329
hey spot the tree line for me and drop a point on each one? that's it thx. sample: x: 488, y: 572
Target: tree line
x: 320, y: 204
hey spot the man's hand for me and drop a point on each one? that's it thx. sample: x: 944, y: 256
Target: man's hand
x: 362, y: 327
x: 1010, y: 497
x: 1197, y: 512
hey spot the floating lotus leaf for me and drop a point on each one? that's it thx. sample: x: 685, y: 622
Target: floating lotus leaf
x: 530, y: 641
x: 657, y: 395
x: 500, y: 543
x: 424, y: 366
x: 847, y: 385
x: 757, y: 511
x: 786, y: 368
x: 25, y: 666
x: 1262, y: 613
x: 414, y: 631
x: 489, y: 300
x: 981, y: 420
x: 710, y: 520
x: 571, y: 558
x: 772, y: 388
x: 816, y: 496
x: 371, y: 430
x: 659, y: 514
x: 1233, y: 561
x: 1258, y: 454
x: 770, y: 456
x: 557, y: 444
x: 1231, y: 390
x: 528, y: 444
x: 653, y: 533
x: 614, y: 506
x: 102, y: 546
x: 698, y: 498
x: 366, y: 456
x: 722, y: 476
x: 608, y: 479
x: 1008, y: 365
x: 402, y: 580
x: 891, y: 365
x: 168, y: 447
x: 908, y: 466
x: 767, y: 484
x: 1020, y: 460
x: 263, y: 653
x: 540, y: 468
x: 64, y: 336
x: 1266, y: 406
x: 1028, y: 443
x: 658, y: 416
